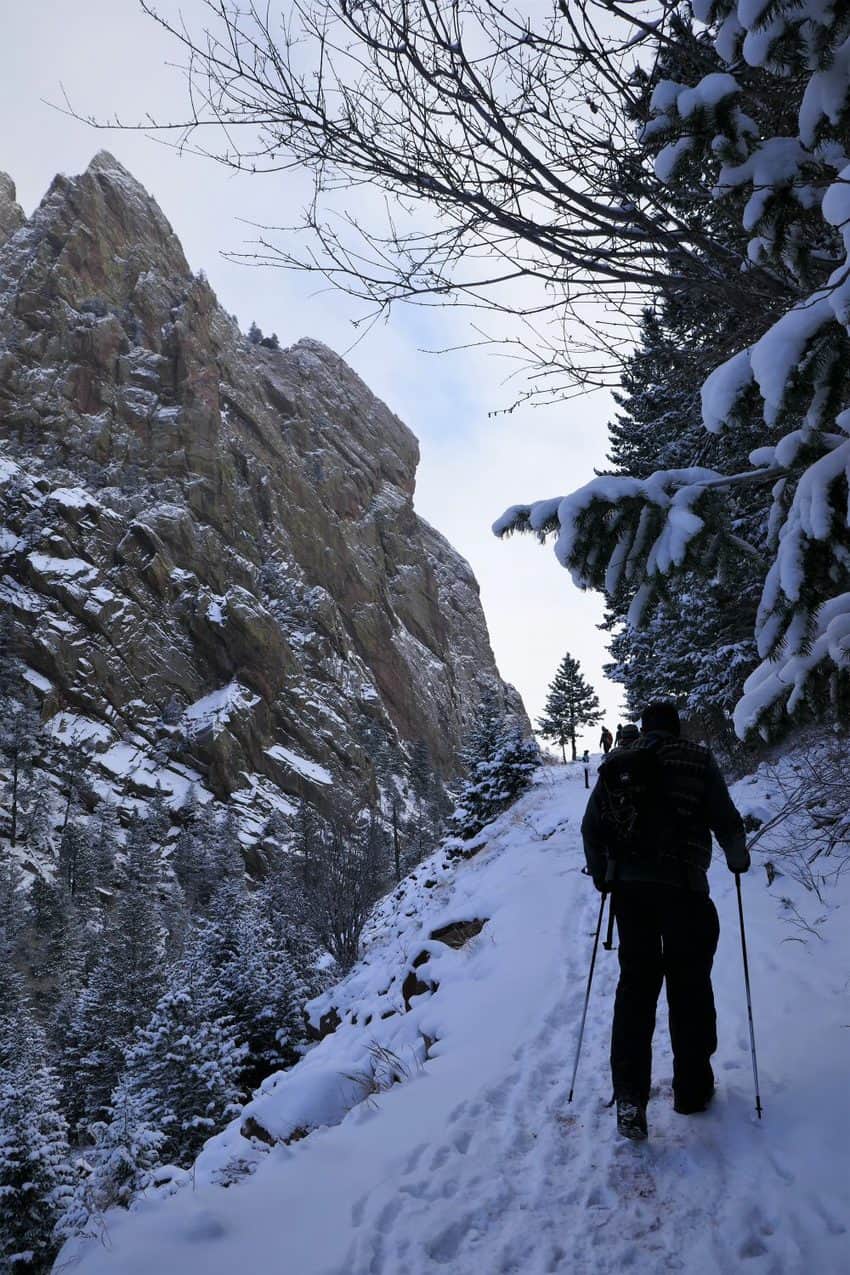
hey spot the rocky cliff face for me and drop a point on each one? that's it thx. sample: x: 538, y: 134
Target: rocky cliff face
x: 209, y: 549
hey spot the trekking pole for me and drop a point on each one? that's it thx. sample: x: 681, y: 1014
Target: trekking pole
x: 749, y: 998
x: 587, y: 995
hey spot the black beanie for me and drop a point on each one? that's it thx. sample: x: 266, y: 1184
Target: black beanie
x: 662, y: 715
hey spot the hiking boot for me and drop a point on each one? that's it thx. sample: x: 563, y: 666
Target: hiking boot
x: 692, y: 1104
x: 631, y: 1120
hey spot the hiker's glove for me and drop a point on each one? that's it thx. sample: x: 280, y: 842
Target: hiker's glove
x: 741, y: 862
x: 598, y: 881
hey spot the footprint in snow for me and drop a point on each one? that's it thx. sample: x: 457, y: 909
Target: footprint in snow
x: 753, y: 1247
x: 833, y: 1224
x: 204, y: 1227
x: 462, y: 1141
x: 781, y: 1169
x: 414, y: 1157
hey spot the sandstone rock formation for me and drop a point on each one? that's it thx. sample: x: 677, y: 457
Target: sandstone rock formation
x: 209, y: 548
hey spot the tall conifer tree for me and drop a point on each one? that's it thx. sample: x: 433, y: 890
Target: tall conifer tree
x: 571, y: 704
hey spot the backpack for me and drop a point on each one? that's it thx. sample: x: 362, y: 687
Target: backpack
x: 637, y: 817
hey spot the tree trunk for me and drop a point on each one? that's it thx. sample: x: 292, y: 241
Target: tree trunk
x: 14, y: 833
x: 396, y: 844
x: 67, y: 808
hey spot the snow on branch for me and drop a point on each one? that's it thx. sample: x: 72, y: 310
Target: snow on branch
x: 622, y: 535
x: 618, y: 534
x: 784, y: 679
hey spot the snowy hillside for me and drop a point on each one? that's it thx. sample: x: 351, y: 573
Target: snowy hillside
x: 446, y: 1142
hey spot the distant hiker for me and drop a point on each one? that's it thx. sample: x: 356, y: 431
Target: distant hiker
x: 627, y: 735
x: 647, y: 839
x: 585, y: 757
x: 606, y: 739
x: 618, y: 736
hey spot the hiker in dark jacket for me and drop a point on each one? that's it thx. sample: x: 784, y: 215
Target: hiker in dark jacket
x: 666, y: 922
x: 606, y: 739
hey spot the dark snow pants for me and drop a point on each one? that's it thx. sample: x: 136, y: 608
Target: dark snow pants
x: 666, y: 933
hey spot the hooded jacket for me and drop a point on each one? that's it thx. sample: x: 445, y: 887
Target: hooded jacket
x: 700, y: 802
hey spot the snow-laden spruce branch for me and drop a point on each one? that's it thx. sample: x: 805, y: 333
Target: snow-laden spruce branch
x: 617, y: 531
x: 624, y: 535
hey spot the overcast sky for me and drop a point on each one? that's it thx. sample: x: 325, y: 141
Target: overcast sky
x: 111, y: 59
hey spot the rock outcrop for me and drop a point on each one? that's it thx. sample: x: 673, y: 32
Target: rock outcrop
x: 11, y: 213
x: 209, y: 548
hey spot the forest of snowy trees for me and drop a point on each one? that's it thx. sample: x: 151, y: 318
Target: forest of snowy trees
x: 149, y: 983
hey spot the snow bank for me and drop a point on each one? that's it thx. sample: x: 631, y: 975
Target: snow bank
x: 464, y: 1157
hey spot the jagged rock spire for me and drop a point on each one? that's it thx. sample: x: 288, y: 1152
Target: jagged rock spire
x: 223, y: 535
x: 11, y: 213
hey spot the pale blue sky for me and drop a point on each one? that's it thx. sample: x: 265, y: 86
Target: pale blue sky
x: 111, y: 60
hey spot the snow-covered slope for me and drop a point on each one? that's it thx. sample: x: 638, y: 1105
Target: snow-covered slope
x: 448, y: 1144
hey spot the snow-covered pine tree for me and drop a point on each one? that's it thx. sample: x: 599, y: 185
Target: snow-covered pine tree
x: 53, y: 935
x: 36, y: 817
x: 179, y: 1084
x: 104, y: 839
x: 288, y: 934
x: 191, y: 857
x: 182, y: 1071
x: 695, y: 641
x: 72, y: 762
x: 249, y: 981
x: 227, y: 862
x: 118, y: 997
x: 75, y: 861
x: 13, y: 911
x: 432, y: 805
x: 794, y: 367
x: 127, y: 1149
x: 35, y: 1173
x: 571, y: 705
x: 499, y: 762
x: 20, y: 727
x: 517, y: 758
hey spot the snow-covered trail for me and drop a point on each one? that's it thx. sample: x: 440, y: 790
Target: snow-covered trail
x: 476, y: 1165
